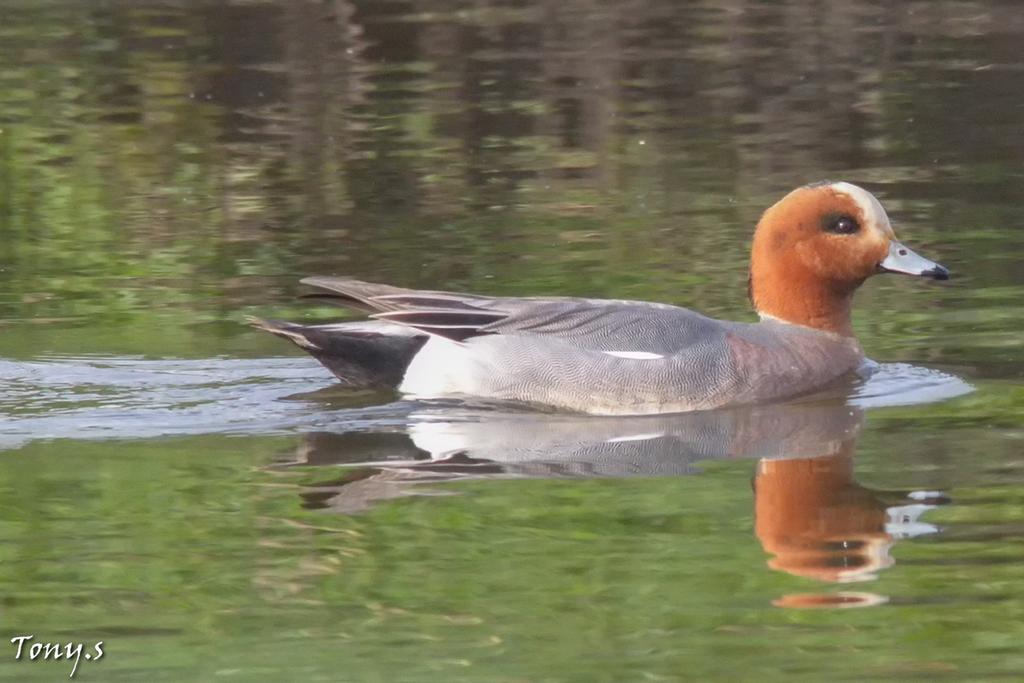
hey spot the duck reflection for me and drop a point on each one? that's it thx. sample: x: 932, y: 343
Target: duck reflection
x: 811, y: 515
x: 819, y: 523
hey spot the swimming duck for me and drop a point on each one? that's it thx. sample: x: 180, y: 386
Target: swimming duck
x: 811, y: 251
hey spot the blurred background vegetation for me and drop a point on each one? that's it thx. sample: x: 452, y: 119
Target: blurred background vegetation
x: 171, y: 164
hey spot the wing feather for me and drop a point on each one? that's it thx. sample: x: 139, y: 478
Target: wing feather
x: 629, y: 327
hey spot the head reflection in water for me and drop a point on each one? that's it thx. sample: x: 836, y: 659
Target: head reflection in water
x: 819, y: 523
x: 811, y: 516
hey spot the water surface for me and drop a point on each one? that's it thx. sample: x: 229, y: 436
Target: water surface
x: 195, y: 493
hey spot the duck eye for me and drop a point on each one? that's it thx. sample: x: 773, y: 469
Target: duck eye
x: 839, y: 224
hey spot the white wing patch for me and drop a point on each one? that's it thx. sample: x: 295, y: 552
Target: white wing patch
x: 634, y: 355
x: 636, y: 437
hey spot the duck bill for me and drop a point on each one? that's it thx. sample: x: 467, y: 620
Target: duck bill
x: 903, y: 260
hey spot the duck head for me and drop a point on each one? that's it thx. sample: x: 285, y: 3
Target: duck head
x: 816, y: 246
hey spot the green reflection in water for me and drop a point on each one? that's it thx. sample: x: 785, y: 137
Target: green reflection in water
x: 190, y: 560
x: 167, y: 169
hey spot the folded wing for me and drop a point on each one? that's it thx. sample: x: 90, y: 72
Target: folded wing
x: 612, y: 326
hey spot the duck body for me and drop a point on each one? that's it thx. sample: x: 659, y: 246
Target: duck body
x: 585, y: 355
x: 811, y: 251
x: 623, y: 357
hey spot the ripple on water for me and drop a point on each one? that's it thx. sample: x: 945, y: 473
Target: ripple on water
x: 119, y: 397
x: 106, y: 397
x: 903, y: 384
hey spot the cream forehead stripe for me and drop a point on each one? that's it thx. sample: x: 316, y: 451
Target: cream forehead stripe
x: 870, y: 207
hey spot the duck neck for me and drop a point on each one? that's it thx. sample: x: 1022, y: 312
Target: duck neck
x: 806, y: 301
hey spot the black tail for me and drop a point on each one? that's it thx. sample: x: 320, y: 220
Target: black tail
x: 361, y: 355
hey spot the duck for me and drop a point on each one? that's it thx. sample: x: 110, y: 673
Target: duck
x: 810, y: 253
